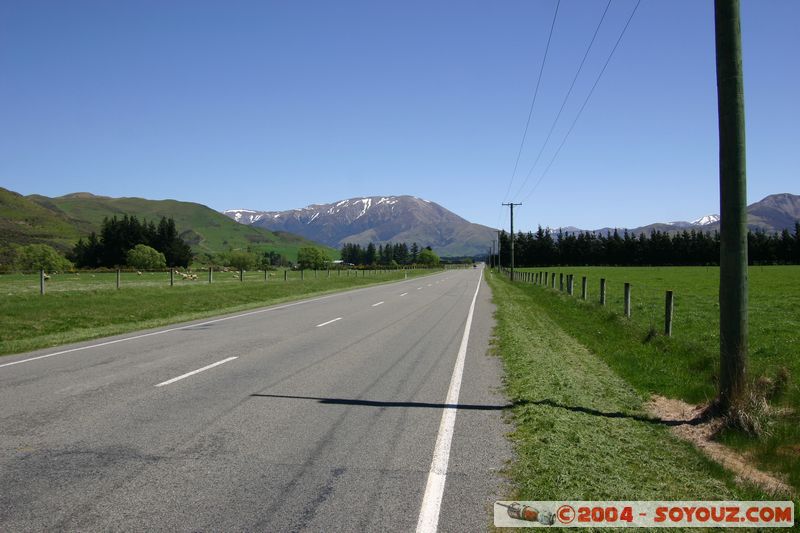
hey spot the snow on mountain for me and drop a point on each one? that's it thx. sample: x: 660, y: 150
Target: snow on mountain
x: 377, y: 219
x: 706, y: 220
x: 245, y: 216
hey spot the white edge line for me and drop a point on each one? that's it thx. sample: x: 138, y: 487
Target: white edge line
x: 193, y: 372
x: 169, y: 330
x: 377, y: 304
x: 434, y: 489
x: 328, y: 322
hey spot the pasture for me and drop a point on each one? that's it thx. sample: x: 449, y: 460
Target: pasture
x: 686, y: 365
x: 86, y: 305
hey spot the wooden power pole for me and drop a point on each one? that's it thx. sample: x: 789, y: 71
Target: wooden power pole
x: 511, y: 205
x: 733, y: 205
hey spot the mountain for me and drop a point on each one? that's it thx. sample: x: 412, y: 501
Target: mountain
x: 771, y: 214
x: 378, y: 219
x: 61, y: 221
x: 775, y: 212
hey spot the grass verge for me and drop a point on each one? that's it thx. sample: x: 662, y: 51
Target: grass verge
x: 581, y: 431
x: 686, y: 366
x: 29, y: 321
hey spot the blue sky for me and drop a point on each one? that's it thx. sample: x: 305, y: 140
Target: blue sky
x: 276, y: 105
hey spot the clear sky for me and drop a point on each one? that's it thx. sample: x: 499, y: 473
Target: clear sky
x: 279, y: 104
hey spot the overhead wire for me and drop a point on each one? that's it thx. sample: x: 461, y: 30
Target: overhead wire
x: 533, y: 100
x: 564, y: 101
x: 586, y: 101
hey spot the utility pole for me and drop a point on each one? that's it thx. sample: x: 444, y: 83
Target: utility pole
x: 511, y: 205
x: 498, y: 250
x: 733, y: 205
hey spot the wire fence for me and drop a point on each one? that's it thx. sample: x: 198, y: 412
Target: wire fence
x: 652, y: 306
x: 46, y: 282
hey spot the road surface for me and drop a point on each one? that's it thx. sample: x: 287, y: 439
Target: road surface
x: 322, y: 415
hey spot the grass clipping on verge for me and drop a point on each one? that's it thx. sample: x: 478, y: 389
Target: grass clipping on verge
x: 581, y: 432
x: 701, y: 431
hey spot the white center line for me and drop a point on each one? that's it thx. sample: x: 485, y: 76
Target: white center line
x: 434, y: 489
x: 328, y: 322
x: 377, y: 304
x: 419, y: 288
x: 193, y: 372
x: 429, y: 285
x: 404, y: 294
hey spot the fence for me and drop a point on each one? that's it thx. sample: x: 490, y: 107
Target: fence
x: 625, y: 298
x: 43, y: 282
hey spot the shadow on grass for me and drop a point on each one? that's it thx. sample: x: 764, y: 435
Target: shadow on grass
x: 477, y: 407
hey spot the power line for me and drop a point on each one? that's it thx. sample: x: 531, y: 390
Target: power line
x: 564, y: 102
x: 586, y: 101
x: 533, y: 101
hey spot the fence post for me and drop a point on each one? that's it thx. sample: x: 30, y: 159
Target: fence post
x: 602, y: 291
x: 561, y: 281
x: 285, y: 274
x: 668, y: 314
x: 118, y: 279
x: 570, y: 283
x: 266, y: 274
x: 241, y: 274
x: 583, y: 288
x: 41, y: 281
x: 552, y: 280
x: 628, y: 300
x: 210, y: 276
x: 171, y: 277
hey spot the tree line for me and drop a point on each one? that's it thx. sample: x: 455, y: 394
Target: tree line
x: 118, y: 237
x: 389, y: 254
x: 685, y: 248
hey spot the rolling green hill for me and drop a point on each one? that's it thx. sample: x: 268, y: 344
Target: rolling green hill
x: 23, y: 221
x: 62, y: 220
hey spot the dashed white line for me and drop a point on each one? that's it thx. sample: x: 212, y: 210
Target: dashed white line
x: 328, y: 322
x: 377, y: 304
x: 169, y: 330
x: 419, y: 288
x: 193, y: 372
x: 405, y: 293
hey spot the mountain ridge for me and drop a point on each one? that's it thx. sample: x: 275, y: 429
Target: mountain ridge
x: 377, y: 219
x: 771, y: 214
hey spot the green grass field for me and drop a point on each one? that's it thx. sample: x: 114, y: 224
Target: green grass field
x: 84, y: 306
x: 580, y: 430
x: 686, y: 366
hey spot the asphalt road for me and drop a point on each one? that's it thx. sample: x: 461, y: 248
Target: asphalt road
x: 320, y: 415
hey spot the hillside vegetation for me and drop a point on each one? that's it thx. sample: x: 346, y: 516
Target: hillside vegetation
x: 61, y: 221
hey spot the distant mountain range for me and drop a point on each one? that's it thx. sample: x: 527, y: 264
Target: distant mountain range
x: 771, y: 214
x: 61, y: 221
x: 377, y: 219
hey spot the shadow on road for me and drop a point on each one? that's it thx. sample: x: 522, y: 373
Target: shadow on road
x: 475, y: 407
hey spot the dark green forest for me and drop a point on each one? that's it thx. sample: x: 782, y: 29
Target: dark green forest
x: 685, y: 248
x: 117, y: 236
x: 389, y: 254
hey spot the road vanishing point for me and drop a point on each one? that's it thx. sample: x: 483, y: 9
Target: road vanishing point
x: 375, y: 409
